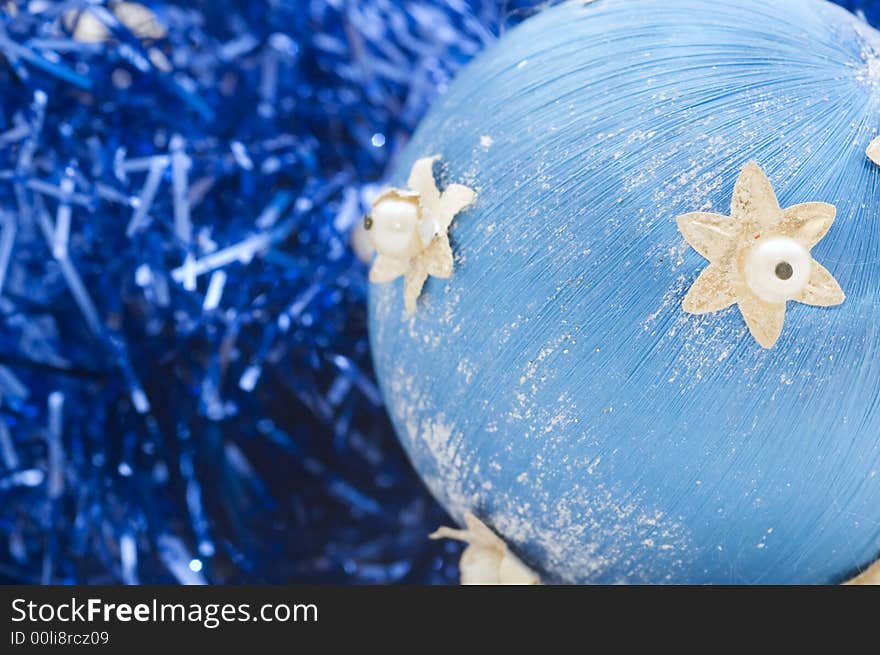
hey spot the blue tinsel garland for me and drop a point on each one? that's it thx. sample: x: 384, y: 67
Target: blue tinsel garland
x: 184, y: 371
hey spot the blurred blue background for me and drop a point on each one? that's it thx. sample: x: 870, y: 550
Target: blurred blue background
x: 186, y: 392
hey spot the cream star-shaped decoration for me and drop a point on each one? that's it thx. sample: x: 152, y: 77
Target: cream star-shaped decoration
x: 487, y: 559
x: 759, y: 257
x: 873, y: 151
x: 410, y: 230
x: 871, y: 577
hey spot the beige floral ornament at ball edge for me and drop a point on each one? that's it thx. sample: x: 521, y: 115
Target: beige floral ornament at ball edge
x: 873, y: 151
x: 759, y: 257
x: 487, y: 559
x: 410, y: 230
x: 869, y: 578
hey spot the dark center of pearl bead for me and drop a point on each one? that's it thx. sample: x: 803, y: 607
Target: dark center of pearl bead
x: 784, y: 271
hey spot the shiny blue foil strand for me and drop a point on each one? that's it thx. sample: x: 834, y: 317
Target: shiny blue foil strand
x: 186, y: 391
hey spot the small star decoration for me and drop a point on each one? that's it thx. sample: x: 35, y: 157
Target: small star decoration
x: 487, y: 560
x: 759, y: 257
x: 410, y: 230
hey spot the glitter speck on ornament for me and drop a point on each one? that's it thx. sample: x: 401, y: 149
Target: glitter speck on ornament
x: 186, y: 392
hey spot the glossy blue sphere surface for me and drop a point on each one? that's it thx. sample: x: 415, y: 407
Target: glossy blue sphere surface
x: 554, y: 385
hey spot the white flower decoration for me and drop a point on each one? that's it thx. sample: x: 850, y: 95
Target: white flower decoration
x: 873, y: 151
x: 760, y: 257
x: 487, y: 560
x: 410, y: 230
x: 871, y: 577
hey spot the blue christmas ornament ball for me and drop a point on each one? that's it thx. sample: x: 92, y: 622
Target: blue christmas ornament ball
x: 554, y: 385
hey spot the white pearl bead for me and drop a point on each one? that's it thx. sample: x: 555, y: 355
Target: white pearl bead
x: 778, y: 269
x: 394, y: 230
